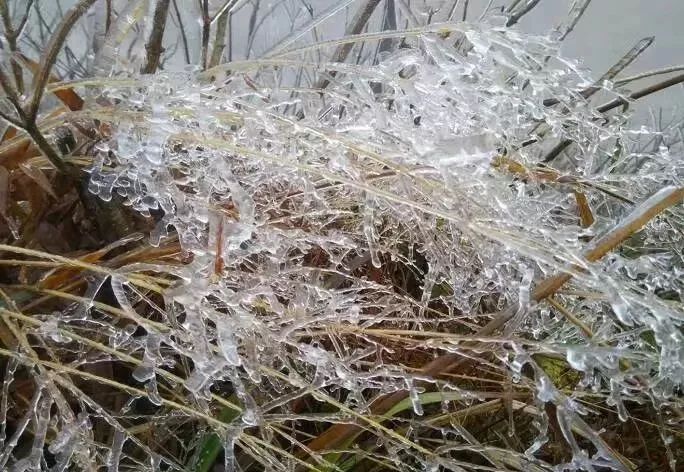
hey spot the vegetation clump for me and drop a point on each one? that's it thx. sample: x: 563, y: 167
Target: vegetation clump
x: 434, y: 243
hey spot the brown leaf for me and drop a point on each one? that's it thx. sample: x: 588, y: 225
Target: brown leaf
x: 15, y: 151
x: 67, y: 96
x: 584, y: 210
x: 37, y: 175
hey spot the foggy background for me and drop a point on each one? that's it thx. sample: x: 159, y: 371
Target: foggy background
x: 607, y: 31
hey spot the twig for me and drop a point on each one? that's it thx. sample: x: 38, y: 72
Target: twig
x: 598, y: 248
x: 48, y: 151
x: 24, y: 20
x: 641, y: 93
x: 11, y: 36
x: 290, y: 39
x: 620, y: 101
x: 524, y: 10
x: 452, y: 12
x: 27, y: 115
x: 652, y: 73
x: 11, y: 120
x: 206, y: 30
x: 184, y: 37
x: 154, y: 45
x: 512, y: 6
x: 570, y: 316
x: 11, y: 94
x: 618, y: 67
x: 219, y: 39
x: 557, y: 149
x: 358, y: 24
x: 578, y: 14
x: 621, y: 65
x: 251, y: 32
x: 108, y: 16
x: 485, y: 10
x: 50, y: 56
x: 227, y: 7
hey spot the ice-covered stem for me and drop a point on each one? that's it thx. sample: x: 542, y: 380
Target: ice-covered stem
x: 678, y: 79
x: 618, y: 67
x: 641, y: 215
x: 618, y: 102
x: 358, y: 24
x: 154, y: 45
x: 524, y: 10
x: 181, y: 30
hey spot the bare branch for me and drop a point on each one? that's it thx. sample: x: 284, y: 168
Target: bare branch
x: 11, y: 92
x: 622, y: 64
x: 357, y: 26
x: 452, y: 12
x: 45, y: 147
x: 652, y: 73
x: 11, y: 36
x: 22, y: 23
x: 11, y: 120
x: 512, y: 6
x: 618, y: 67
x: 227, y: 7
x: 108, y: 19
x: 642, y: 93
x: 206, y: 30
x: 220, y: 37
x: 154, y: 45
x: 524, y: 10
x: 51, y: 52
x: 575, y: 14
x: 184, y: 37
x: 618, y: 102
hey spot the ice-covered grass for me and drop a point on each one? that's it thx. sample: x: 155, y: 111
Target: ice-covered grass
x: 383, y: 266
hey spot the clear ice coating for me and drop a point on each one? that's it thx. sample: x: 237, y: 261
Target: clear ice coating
x: 303, y: 210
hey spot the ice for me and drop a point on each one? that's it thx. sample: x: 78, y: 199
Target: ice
x: 336, y: 240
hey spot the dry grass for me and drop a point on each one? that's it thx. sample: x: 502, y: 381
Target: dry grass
x: 385, y: 310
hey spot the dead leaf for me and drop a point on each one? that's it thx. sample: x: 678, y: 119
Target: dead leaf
x: 67, y: 95
x: 584, y: 210
x: 37, y: 175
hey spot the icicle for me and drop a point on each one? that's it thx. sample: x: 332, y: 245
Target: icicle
x: 414, y: 397
x: 115, y: 450
x: 370, y: 233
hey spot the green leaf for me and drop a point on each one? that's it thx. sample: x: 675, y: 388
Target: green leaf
x: 211, y: 444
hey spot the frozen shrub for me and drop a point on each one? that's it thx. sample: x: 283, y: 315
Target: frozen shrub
x: 370, y: 250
